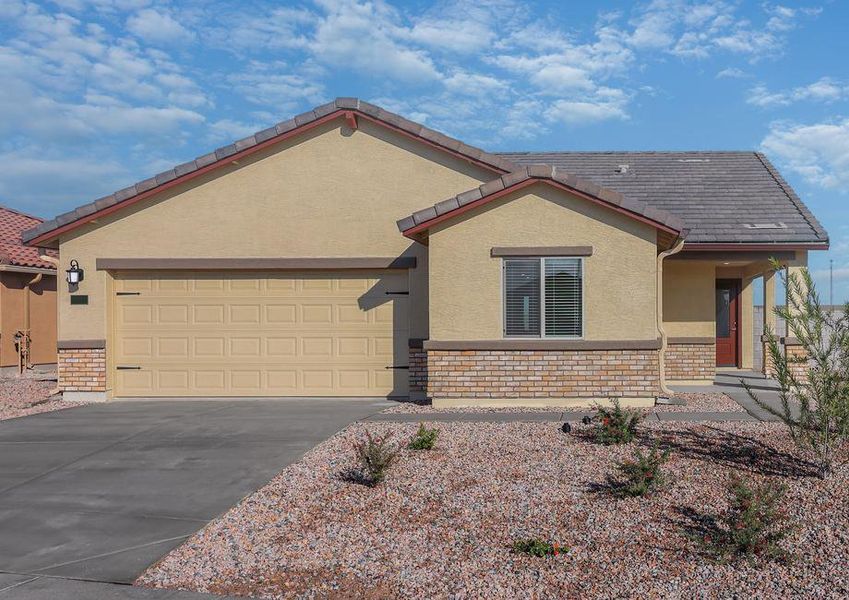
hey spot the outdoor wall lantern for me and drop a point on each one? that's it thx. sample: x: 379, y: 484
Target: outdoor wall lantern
x: 75, y: 274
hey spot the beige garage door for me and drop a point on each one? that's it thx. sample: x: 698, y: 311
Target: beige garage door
x: 260, y: 334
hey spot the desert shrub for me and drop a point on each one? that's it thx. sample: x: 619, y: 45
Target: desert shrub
x: 424, y: 439
x: 814, y: 387
x: 538, y: 547
x: 642, y: 474
x: 375, y: 456
x: 616, y: 425
x: 752, y: 527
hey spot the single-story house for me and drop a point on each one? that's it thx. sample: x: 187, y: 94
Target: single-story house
x: 352, y: 252
x: 27, y: 297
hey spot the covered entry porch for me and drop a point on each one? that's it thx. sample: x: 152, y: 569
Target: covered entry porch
x: 709, y: 299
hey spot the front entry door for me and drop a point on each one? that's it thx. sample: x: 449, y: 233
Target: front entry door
x: 727, y: 322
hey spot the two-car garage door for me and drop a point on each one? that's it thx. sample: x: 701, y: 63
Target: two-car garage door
x: 260, y: 334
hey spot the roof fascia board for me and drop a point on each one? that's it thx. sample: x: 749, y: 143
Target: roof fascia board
x: 746, y: 246
x: 421, y: 227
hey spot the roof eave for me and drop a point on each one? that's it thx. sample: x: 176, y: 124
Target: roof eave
x: 746, y: 246
x: 339, y: 108
x: 416, y: 225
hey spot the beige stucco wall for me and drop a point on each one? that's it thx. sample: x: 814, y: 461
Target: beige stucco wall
x: 466, y: 298
x: 332, y: 192
x: 689, y: 298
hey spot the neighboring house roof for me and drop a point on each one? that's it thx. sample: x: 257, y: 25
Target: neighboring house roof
x: 423, y: 219
x: 727, y: 198
x: 12, y: 250
x: 717, y: 194
x: 351, y: 108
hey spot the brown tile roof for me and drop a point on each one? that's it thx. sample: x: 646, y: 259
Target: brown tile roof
x: 421, y: 219
x: 722, y: 196
x: 263, y: 138
x: 12, y: 250
x: 719, y: 194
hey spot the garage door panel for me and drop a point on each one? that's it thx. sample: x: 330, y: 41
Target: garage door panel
x: 261, y: 334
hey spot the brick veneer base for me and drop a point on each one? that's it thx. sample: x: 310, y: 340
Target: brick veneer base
x: 542, y: 373
x: 690, y: 361
x: 82, y: 370
x: 798, y: 369
x: 418, y: 370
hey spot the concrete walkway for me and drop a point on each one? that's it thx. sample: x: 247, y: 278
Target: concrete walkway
x: 100, y: 492
x: 729, y: 383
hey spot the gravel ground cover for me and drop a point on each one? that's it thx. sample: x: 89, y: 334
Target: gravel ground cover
x: 695, y: 402
x: 21, y: 396
x: 701, y: 402
x: 442, y: 523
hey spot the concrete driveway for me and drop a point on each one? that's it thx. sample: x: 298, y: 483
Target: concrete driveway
x: 100, y: 492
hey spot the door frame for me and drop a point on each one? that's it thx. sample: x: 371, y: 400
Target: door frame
x: 736, y: 286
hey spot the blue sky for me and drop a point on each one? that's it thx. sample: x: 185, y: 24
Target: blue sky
x: 96, y: 94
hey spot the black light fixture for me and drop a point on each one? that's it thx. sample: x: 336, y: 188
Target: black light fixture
x: 75, y: 274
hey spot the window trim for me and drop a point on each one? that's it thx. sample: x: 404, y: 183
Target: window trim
x: 542, y: 335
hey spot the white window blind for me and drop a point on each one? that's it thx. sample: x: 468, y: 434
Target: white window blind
x: 522, y: 297
x: 543, y: 297
x: 563, y: 302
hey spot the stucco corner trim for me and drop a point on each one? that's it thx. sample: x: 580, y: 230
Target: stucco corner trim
x: 541, y: 344
x: 542, y: 251
x: 254, y: 264
x: 81, y: 344
x: 695, y: 341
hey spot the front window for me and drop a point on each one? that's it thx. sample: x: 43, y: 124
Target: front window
x: 543, y: 297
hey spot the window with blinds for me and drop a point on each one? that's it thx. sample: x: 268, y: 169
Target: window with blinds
x: 543, y: 297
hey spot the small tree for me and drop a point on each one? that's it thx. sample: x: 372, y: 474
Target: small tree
x: 814, y: 386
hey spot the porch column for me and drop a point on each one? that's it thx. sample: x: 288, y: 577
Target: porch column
x: 747, y: 319
x: 769, y: 320
x: 792, y: 349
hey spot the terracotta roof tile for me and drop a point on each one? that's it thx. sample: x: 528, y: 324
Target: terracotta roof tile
x: 12, y: 250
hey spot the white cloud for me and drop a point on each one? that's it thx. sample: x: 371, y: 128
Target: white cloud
x: 369, y: 37
x: 229, y: 130
x: 825, y: 89
x: 700, y: 28
x: 731, y: 73
x: 818, y: 152
x: 473, y: 84
x: 158, y: 27
x: 273, y: 85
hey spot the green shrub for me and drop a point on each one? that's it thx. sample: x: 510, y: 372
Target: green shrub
x: 643, y: 474
x: 814, y: 384
x: 375, y: 456
x: 753, y: 526
x: 537, y: 547
x: 616, y: 425
x: 424, y: 439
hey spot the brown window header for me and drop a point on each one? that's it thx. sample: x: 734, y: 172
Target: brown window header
x: 543, y: 251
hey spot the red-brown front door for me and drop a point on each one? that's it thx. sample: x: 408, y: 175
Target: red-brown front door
x: 727, y: 318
